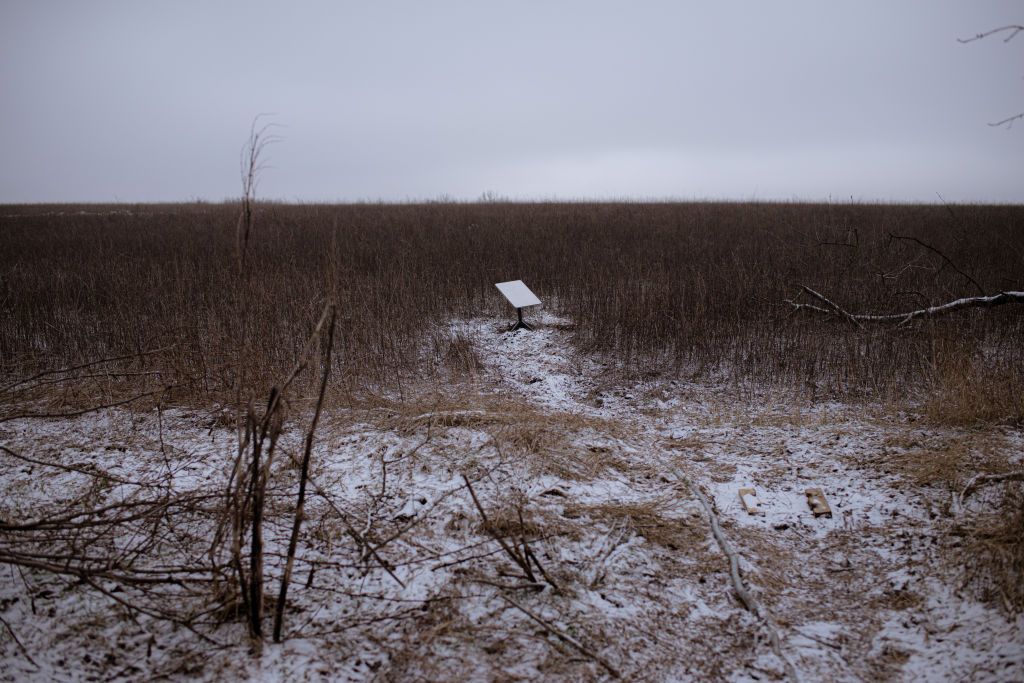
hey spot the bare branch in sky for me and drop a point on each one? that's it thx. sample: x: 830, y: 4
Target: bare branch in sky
x: 1013, y: 29
x: 1008, y: 121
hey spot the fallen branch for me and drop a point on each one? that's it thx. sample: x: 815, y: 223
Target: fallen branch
x: 832, y: 305
x: 981, y: 480
x: 749, y: 602
x: 904, y: 318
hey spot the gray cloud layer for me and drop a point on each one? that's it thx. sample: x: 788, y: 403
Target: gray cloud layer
x: 140, y: 101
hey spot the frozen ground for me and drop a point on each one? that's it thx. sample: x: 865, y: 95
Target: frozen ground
x: 599, y: 481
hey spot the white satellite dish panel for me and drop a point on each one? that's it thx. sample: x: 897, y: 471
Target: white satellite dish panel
x: 518, y: 294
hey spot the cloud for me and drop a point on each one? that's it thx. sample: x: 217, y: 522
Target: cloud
x: 396, y: 101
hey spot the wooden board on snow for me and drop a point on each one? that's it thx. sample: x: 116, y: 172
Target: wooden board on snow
x: 816, y: 501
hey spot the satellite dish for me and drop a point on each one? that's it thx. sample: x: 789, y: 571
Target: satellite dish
x: 520, y: 296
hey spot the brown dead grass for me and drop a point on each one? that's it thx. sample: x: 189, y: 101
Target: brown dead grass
x: 947, y: 462
x: 511, y: 515
x: 897, y: 599
x: 967, y: 393
x: 943, y: 465
x: 568, y: 445
x: 989, y: 551
x: 690, y: 442
x: 460, y: 356
x: 649, y: 520
x: 992, y: 554
x: 696, y: 288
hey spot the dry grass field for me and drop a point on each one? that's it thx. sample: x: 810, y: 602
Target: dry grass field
x: 691, y: 289
x: 190, y: 420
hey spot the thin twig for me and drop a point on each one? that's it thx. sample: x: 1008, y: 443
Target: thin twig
x: 90, y: 364
x: 94, y: 472
x: 1008, y: 121
x: 85, y: 411
x: 564, y: 637
x: 945, y: 258
x: 17, y: 642
x: 303, y: 477
x: 515, y: 556
x: 351, y: 530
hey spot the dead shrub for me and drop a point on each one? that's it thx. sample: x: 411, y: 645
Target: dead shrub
x: 462, y: 357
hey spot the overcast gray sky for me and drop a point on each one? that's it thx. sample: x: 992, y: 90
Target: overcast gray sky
x: 867, y: 99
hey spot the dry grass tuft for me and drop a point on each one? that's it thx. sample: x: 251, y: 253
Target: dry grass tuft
x: 949, y: 462
x: 459, y: 355
x: 944, y: 465
x: 648, y: 519
x: 993, y: 554
x: 567, y: 445
x: 968, y: 393
x: 514, y: 517
x: 555, y: 444
x: 690, y: 442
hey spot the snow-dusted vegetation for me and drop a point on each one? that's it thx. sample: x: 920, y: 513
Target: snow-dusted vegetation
x: 589, y: 482
x: 620, y: 493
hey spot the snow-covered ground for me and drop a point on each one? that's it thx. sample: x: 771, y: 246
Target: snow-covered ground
x: 628, y: 579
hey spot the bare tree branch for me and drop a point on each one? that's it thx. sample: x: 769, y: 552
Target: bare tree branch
x: 1014, y: 29
x: 832, y: 305
x: 1008, y: 122
x: 945, y: 258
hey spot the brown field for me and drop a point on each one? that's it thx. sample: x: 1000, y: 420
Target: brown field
x: 698, y: 288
